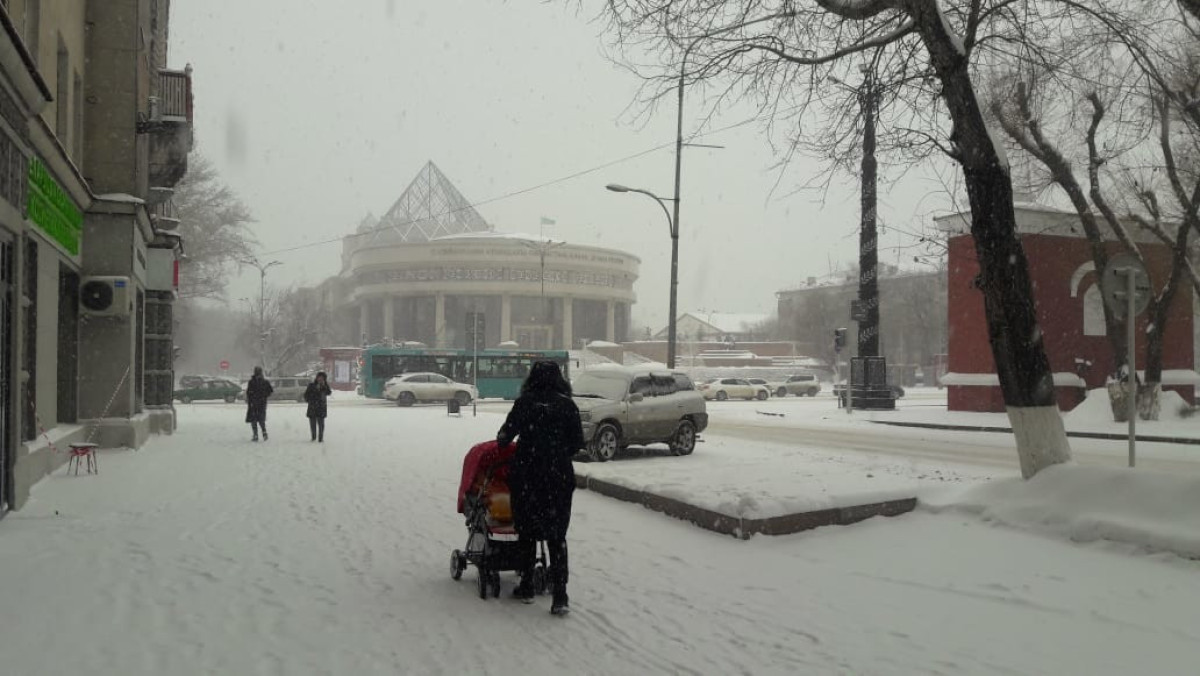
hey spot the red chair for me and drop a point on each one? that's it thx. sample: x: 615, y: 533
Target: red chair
x: 81, y: 451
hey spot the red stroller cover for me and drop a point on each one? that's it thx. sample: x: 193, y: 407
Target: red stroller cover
x: 479, y: 460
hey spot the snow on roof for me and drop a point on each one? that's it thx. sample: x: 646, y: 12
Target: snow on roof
x: 120, y: 197
x: 602, y: 343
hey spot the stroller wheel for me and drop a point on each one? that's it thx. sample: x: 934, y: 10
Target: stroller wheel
x: 458, y: 563
x: 484, y: 576
x: 494, y: 583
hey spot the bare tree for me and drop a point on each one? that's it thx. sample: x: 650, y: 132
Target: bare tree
x: 214, y: 223
x: 1137, y: 100
x: 784, y: 52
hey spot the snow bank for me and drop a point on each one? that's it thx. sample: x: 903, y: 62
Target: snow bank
x: 1152, y: 510
x: 1096, y: 410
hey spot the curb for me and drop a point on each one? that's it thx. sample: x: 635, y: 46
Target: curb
x: 1008, y: 430
x: 746, y: 528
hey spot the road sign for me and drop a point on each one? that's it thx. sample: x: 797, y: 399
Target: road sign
x: 224, y: 365
x: 1114, y: 284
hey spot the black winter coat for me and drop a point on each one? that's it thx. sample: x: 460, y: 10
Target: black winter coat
x: 257, y: 392
x: 315, y: 395
x: 541, y: 479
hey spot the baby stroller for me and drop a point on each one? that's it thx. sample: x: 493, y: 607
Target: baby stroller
x: 483, y: 498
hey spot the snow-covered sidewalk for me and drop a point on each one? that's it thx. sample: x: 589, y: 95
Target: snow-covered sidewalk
x: 206, y: 554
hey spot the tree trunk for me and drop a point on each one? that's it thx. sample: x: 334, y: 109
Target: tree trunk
x: 1016, y: 340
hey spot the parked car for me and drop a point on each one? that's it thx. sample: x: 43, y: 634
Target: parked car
x: 625, y: 406
x: 799, y: 384
x: 763, y: 382
x: 410, y: 388
x: 733, y: 388
x: 186, y: 382
x: 288, y: 389
x: 210, y: 389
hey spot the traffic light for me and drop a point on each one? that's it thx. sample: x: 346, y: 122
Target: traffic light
x: 839, y: 339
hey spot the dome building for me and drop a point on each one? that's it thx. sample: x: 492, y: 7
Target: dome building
x: 433, y: 271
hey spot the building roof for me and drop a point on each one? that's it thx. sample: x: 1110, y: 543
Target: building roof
x: 724, y: 322
x: 430, y: 207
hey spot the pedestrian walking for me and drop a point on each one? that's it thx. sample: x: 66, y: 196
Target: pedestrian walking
x: 258, y: 390
x: 545, y: 423
x: 315, y: 394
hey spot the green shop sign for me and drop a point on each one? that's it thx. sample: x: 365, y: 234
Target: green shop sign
x: 52, y: 210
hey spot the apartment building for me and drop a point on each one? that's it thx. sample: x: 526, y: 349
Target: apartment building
x: 94, y: 132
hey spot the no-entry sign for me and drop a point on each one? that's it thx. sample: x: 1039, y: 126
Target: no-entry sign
x: 224, y: 365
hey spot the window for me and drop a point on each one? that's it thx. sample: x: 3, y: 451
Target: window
x: 62, y: 96
x: 641, y: 385
x: 663, y: 385
x: 33, y: 27
x: 1093, y: 312
x: 77, y: 131
x: 683, y: 382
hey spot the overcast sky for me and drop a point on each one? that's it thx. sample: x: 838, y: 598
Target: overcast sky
x: 318, y: 113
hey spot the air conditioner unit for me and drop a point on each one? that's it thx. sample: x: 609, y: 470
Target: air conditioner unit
x: 106, y: 296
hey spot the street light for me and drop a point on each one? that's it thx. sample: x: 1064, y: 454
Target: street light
x: 262, y: 303
x: 673, y: 227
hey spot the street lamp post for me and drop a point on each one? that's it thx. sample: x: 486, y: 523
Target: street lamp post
x: 673, y: 226
x: 262, y: 303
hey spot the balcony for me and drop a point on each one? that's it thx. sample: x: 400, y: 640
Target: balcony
x: 169, y: 125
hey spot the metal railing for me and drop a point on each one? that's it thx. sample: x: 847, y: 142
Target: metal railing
x: 175, y: 95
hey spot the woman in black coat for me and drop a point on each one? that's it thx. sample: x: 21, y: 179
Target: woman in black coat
x: 315, y: 394
x: 545, y: 423
x: 257, y: 392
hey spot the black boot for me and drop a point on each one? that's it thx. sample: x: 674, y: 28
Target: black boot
x: 523, y: 592
x: 559, y: 605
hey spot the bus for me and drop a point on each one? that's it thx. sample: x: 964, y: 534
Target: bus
x: 500, y: 375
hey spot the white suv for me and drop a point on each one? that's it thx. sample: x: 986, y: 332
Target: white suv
x: 620, y: 407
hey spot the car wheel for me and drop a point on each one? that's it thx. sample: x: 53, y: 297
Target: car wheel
x: 605, y: 444
x: 186, y: 400
x: 230, y: 399
x: 781, y: 392
x: 721, y: 396
x: 406, y: 399
x: 683, y: 442
x: 762, y: 395
x: 812, y: 393
x: 463, y: 398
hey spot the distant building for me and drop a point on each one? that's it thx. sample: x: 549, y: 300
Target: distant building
x: 433, y: 271
x: 912, y: 314
x: 718, y: 327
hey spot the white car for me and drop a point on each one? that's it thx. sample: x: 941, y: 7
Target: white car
x: 410, y: 388
x: 733, y: 388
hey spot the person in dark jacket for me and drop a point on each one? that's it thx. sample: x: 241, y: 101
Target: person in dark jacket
x: 316, y: 393
x: 257, y: 392
x: 545, y: 423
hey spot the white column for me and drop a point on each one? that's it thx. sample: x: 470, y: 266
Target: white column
x: 364, y: 318
x: 439, y: 320
x: 610, y: 321
x: 505, y: 318
x: 568, y: 321
x: 389, y: 317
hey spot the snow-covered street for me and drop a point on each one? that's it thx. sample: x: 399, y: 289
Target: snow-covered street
x: 203, y: 553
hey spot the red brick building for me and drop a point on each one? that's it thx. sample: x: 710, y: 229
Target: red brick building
x: 1070, y: 313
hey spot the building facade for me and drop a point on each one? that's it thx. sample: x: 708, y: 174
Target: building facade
x: 913, y: 327
x: 1070, y: 313
x: 432, y: 271
x: 94, y: 133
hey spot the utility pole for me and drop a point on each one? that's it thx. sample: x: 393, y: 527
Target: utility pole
x: 262, y: 304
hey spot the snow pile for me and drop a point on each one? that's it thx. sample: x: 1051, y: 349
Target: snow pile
x: 1096, y: 409
x: 1152, y: 510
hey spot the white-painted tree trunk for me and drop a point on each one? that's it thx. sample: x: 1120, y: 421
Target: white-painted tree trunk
x: 1041, y: 438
